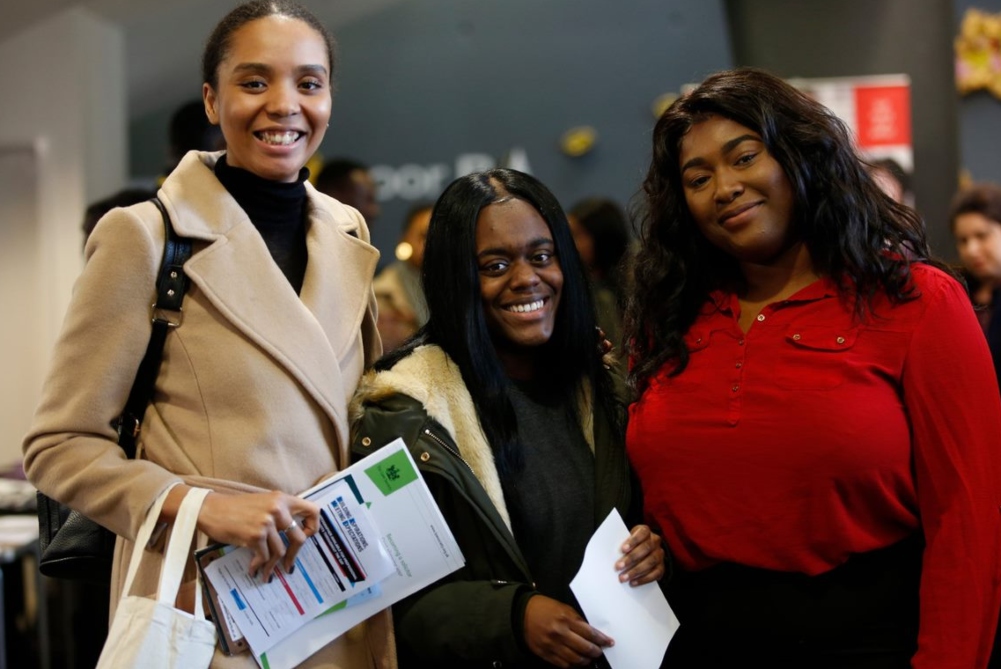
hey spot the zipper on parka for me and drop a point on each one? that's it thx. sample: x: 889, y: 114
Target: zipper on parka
x: 441, y: 442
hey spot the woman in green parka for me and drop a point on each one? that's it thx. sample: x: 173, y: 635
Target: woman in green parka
x: 515, y: 422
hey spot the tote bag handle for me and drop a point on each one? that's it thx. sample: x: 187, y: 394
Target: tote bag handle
x: 177, y: 548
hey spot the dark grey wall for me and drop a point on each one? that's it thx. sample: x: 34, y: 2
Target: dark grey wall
x: 426, y: 82
x: 148, y: 142
x: 430, y: 80
x: 980, y: 117
x: 820, y: 38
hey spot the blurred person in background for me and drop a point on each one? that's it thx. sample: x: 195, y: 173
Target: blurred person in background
x: 601, y: 235
x: 350, y: 182
x: 891, y: 177
x: 402, y: 307
x: 975, y: 221
x: 190, y: 130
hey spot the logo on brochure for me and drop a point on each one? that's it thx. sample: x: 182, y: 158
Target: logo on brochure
x: 393, y: 473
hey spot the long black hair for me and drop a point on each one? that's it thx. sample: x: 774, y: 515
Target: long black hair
x: 457, y: 323
x: 856, y: 235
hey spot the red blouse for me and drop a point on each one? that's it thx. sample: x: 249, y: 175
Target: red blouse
x: 813, y: 437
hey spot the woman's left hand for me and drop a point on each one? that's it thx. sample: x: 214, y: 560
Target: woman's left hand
x: 642, y: 557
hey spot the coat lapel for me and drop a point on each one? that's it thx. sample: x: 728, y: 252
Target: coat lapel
x: 236, y: 273
x: 338, y: 284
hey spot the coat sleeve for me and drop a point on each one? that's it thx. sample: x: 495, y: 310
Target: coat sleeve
x: 953, y: 404
x: 71, y: 452
x: 457, y: 620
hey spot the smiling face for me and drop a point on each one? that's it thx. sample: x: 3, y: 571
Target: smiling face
x: 273, y: 99
x: 738, y: 194
x: 978, y: 241
x: 520, y: 277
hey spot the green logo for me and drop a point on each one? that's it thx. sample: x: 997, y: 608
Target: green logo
x: 392, y: 473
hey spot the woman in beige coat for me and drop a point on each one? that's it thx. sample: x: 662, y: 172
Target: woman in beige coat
x: 278, y: 326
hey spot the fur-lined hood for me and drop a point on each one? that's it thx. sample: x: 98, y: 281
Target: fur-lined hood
x: 429, y: 376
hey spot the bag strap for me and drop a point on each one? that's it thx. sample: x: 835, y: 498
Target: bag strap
x: 176, y: 553
x: 142, y: 539
x: 171, y: 285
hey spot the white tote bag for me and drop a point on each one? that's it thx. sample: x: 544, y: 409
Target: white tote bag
x: 151, y: 633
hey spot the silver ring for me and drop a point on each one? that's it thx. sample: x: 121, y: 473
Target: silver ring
x: 291, y: 526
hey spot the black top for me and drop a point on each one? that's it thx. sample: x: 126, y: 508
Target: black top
x: 277, y: 210
x: 550, y: 500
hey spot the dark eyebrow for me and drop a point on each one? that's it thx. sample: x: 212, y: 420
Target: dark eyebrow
x: 534, y: 244
x: 261, y: 68
x: 312, y: 69
x: 252, y: 67
x: 727, y: 148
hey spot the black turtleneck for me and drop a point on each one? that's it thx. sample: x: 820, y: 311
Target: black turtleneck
x: 277, y: 210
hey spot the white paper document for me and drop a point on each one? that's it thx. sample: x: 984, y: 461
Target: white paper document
x: 639, y: 619
x: 344, y: 558
x: 410, y: 531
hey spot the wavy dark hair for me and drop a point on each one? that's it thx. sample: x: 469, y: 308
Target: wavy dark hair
x: 457, y: 323
x: 856, y: 235
x: 218, y: 43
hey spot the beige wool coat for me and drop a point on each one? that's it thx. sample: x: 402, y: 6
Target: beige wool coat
x: 254, y: 385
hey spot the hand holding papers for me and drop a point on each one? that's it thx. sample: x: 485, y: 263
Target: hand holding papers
x: 381, y: 538
x: 344, y: 557
x: 639, y: 619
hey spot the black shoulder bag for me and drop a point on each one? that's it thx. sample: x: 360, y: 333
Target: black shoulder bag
x: 72, y: 545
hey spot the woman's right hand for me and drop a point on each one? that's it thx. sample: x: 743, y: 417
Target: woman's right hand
x: 556, y: 633
x: 256, y: 521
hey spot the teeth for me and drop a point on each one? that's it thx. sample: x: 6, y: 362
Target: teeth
x: 280, y: 138
x: 526, y: 308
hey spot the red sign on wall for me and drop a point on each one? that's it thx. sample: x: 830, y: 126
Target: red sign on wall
x: 883, y: 115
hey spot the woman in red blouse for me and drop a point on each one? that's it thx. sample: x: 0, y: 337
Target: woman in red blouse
x: 817, y: 423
